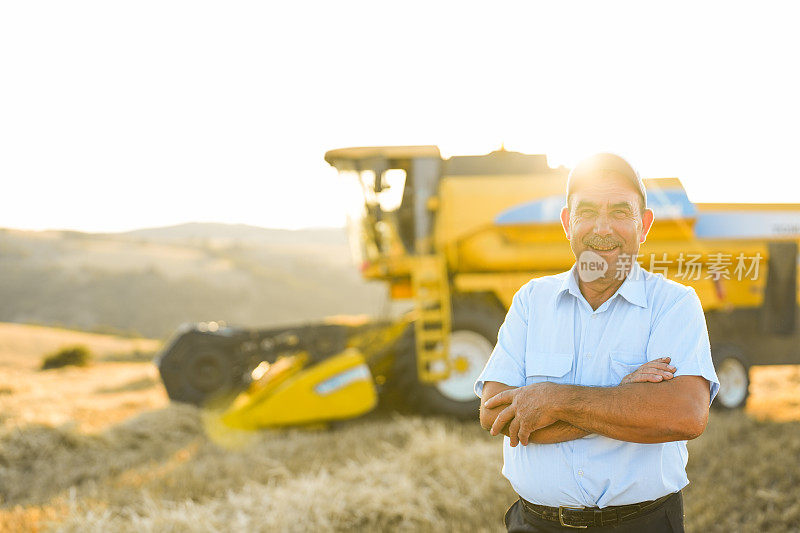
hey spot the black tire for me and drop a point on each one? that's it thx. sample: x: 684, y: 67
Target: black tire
x: 475, y: 315
x: 200, y: 369
x: 733, y: 371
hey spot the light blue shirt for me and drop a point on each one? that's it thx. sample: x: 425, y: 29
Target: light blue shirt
x: 552, y: 334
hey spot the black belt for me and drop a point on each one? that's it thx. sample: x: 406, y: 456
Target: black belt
x: 582, y: 517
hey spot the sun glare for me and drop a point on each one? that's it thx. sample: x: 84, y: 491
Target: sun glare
x: 232, y: 125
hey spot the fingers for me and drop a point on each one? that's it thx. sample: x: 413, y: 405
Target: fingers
x: 648, y: 377
x: 524, y: 434
x: 654, y: 376
x: 652, y: 371
x: 505, y: 416
x: 661, y: 362
x: 653, y: 365
x: 666, y: 374
x: 642, y: 377
x: 660, y: 366
x: 666, y: 370
x: 513, y: 432
x: 499, y: 399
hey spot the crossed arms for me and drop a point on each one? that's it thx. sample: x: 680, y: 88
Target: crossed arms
x: 649, y: 406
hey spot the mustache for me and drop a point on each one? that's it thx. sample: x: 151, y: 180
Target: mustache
x: 600, y: 242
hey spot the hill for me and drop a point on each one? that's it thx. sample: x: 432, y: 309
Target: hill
x: 239, y: 233
x: 147, y: 282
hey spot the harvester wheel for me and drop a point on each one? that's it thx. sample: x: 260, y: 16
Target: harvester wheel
x: 198, y: 370
x: 475, y: 322
x: 733, y: 372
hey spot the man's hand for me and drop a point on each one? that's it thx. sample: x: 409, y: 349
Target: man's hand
x: 653, y: 371
x: 558, y: 432
x: 528, y: 410
x: 488, y: 416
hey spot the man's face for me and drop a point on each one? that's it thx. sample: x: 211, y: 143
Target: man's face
x: 605, y: 218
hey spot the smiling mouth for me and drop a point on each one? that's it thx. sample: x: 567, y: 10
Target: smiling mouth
x: 602, y: 248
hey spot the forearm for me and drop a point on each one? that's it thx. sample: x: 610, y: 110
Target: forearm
x: 637, y: 412
x: 557, y: 432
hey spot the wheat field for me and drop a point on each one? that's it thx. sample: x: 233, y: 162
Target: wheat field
x: 117, y: 457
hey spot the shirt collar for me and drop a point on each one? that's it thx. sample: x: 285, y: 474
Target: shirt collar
x: 632, y: 289
x: 570, y: 282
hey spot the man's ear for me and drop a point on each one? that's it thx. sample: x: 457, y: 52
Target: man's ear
x: 647, y: 222
x: 565, y: 221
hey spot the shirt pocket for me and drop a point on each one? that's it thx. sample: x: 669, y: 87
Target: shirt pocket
x: 548, y: 366
x: 623, y: 363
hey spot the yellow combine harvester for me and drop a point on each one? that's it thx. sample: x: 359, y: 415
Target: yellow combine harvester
x: 458, y: 237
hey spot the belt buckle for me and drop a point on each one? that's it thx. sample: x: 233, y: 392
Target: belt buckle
x: 561, y: 516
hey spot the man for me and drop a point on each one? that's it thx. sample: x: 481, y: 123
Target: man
x: 600, y: 374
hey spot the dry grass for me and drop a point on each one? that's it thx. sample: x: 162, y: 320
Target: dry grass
x: 22, y: 345
x: 775, y: 392
x: 150, y: 466
x: 69, y: 395
x: 160, y: 472
x: 145, y: 383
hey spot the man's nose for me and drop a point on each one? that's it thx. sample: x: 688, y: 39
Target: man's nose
x: 602, y: 225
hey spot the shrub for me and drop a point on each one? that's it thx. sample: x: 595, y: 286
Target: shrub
x: 71, y: 355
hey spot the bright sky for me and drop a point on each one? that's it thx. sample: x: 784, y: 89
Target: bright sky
x: 120, y: 115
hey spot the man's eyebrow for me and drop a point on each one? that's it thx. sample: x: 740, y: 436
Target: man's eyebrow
x: 622, y: 204
x: 585, y: 203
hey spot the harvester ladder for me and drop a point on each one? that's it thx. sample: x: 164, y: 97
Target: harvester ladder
x: 432, y: 326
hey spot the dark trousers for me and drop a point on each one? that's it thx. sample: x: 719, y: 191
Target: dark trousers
x: 667, y: 518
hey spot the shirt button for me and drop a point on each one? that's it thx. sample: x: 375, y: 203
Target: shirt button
x: 594, y: 316
x: 588, y: 355
x: 580, y: 472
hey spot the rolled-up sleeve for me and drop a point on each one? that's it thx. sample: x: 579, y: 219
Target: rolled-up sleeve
x: 681, y: 334
x: 507, y: 362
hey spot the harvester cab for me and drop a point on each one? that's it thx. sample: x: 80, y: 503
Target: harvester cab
x: 391, y: 190
x: 428, y: 227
